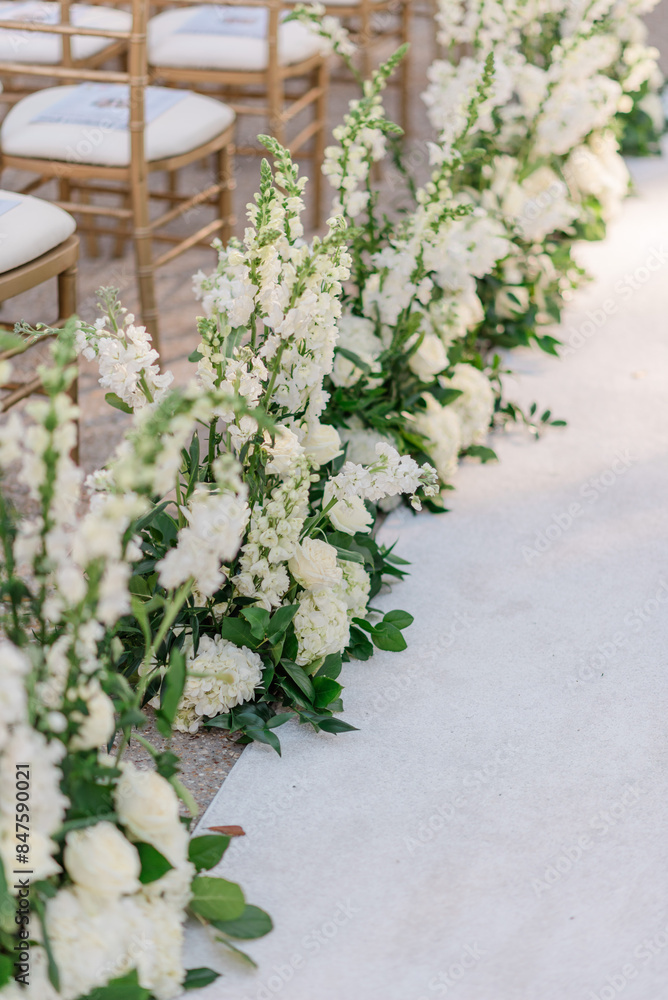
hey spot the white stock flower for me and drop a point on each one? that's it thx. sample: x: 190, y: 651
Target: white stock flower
x: 99, y: 725
x: 354, y: 588
x: 100, y: 860
x: 284, y: 452
x: 47, y: 803
x: 357, y: 335
x: 215, y: 530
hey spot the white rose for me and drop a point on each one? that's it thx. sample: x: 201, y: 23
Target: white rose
x: 284, y: 451
x: 322, y: 443
x: 430, y: 358
x: 101, y: 860
x: 348, y: 514
x: 99, y: 725
x: 511, y: 301
x: 148, y: 807
x: 314, y: 564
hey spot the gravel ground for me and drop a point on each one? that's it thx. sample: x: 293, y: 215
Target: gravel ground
x: 206, y: 758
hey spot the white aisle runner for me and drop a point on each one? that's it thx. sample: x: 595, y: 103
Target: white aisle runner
x: 496, y: 830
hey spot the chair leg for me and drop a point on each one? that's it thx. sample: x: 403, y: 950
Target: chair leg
x: 404, y: 70
x: 322, y: 82
x: 67, y: 293
x: 119, y: 242
x: 88, y: 227
x: 143, y: 245
x: 225, y: 168
x: 67, y: 306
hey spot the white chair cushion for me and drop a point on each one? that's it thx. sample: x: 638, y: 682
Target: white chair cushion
x: 35, y: 47
x: 191, y: 122
x: 29, y: 227
x: 170, y: 45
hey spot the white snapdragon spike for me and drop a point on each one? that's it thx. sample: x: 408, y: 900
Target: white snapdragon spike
x: 389, y: 475
x: 272, y: 539
x: 19, y: 742
x: 291, y: 294
x: 357, y: 336
x: 361, y: 142
x: 354, y: 588
x: 127, y: 362
x: 335, y: 37
x: 209, y: 542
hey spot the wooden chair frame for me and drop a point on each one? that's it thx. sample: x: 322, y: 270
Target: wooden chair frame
x: 117, y: 47
x: 60, y: 263
x: 268, y: 88
x: 132, y: 180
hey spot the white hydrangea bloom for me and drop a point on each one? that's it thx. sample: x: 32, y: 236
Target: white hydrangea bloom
x: 441, y: 427
x: 219, y: 676
x: 475, y: 406
x: 321, y: 625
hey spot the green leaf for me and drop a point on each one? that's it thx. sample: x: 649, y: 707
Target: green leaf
x: 117, y: 402
x: 264, y: 735
x: 400, y: 619
x: 483, y: 453
x: 280, y: 620
x: 6, y: 968
x: 193, y: 357
x: 336, y: 726
x: 197, y: 978
x: 206, y: 851
x: 124, y: 988
x: 258, y: 619
x: 172, y: 690
x: 239, y: 632
x: 11, y: 341
x: 300, y: 677
x: 216, y: 898
x: 331, y: 666
x: 387, y: 636
x: 326, y: 691
x: 253, y: 923
x: 237, y: 951
x: 153, y: 864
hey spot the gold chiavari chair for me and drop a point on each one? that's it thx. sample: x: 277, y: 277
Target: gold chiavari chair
x: 37, y: 243
x: 104, y: 132
x: 29, y: 44
x: 259, y: 66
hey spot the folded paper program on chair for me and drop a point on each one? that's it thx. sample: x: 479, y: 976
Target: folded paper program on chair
x: 7, y: 204
x: 244, y: 22
x: 107, y: 105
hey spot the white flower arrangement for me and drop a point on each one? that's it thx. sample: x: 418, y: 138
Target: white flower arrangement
x: 111, y: 869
